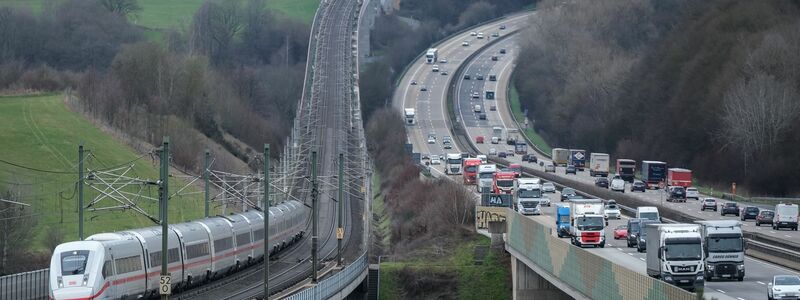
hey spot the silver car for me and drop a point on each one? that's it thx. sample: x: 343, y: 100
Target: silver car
x: 612, y: 212
x: 548, y: 187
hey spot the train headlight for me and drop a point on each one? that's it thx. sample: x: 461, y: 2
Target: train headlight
x: 60, y: 282
x: 85, y: 279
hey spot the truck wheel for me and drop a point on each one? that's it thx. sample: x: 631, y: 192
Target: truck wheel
x: 740, y: 278
x: 603, y: 245
x: 708, y: 278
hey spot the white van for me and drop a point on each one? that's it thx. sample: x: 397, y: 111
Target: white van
x: 477, y: 108
x: 785, y: 216
x: 648, y: 212
x: 435, y: 68
x: 484, y: 159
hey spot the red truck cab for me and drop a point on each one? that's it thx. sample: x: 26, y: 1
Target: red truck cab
x: 470, y: 169
x: 679, y: 177
x: 516, y: 168
x: 479, y: 139
x: 504, y: 182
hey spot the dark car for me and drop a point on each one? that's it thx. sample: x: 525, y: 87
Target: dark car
x: 765, y: 217
x: 633, y: 231
x: 566, y: 193
x: 749, y: 212
x: 529, y: 158
x: 466, y: 77
x: 482, y: 116
x: 641, y: 243
x: 571, y: 169
x: 677, y: 194
x: 709, y: 203
x: 729, y: 208
x: 601, y: 182
x: 502, y: 154
x: 638, y: 185
x: 503, y: 51
x: 494, y: 57
x: 479, y: 77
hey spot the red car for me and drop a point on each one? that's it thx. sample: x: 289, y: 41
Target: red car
x: 479, y: 139
x: 621, y: 232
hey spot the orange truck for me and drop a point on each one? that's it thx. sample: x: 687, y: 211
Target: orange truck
x: 470, y: 169
x: 504, y: 182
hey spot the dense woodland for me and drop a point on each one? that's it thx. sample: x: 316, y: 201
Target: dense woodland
x: 231, y: 77
x: 709, y: 85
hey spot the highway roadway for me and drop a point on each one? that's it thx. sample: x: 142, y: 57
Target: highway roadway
x: 431, y: 117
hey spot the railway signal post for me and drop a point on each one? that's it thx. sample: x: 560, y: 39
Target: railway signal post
x: 265, y: 207
x: 205, y: 178
x: 340, y: 229
x: 80, y: 192
x: 163, y: 193
x: 314, y: 213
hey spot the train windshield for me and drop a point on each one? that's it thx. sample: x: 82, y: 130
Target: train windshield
x: 74, y: 262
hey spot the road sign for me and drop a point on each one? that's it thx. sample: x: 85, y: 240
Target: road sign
x: 339, y: 233
x: 165, y: 285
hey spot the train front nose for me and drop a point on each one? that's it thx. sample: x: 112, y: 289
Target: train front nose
x: 73, y: 293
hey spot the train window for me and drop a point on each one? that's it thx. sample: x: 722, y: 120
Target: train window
x: 107, y: 270
x: 74, y: 262
x: 155, y: 257
x: 197, y: 250
x: 243, y: 239
x: 258, y: 235
x: 223, y: 244
x: 128, y: 264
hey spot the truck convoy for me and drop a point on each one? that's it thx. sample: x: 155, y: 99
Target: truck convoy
x: 470, y: 170
x: 409, y: 114
x: 504, y: 182
x: 679, y: 177
x: 587, y: 222
x: 529, y: 198
x: 598, y: 164
x: 626, y: 168
x: 653, y: 172
x: 486, y: 177
x: 577, y: 158
x: 432, y: 55
x: 453, y: 164
x: 560, y: 156
x: 562, y: 220
x: 723, y: 247
x: 675, y: 254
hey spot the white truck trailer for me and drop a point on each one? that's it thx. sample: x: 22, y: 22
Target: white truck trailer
x: 723, y: 249
x: 598, y: 164
x: 409, y: 114
x: 587, y: 223
x: 675, y: 254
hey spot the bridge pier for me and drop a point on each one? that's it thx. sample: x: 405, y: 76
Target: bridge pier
x: 528, y: 285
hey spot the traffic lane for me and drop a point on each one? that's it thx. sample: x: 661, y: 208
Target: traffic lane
x: 481, y: 65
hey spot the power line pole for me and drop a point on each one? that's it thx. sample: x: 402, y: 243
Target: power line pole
x: 265, y: 207
x: 80, y: 191
x: 314, y: 213
x: 340, y: 230
x: 205, y: 178
x: 163, y: 189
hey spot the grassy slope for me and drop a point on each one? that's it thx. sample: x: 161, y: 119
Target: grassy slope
x: 516, y: 109
x: 159, y: 14
x: 40, y: 132
x: 491, y: 280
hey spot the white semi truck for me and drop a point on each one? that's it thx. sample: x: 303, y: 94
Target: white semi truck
x: 410, y: 113
x: 675, y: 254
x: 587, y: 223
x: 723, y: 247
x: 529, y: 198
x: 486, y: 177
x: 453, y: 164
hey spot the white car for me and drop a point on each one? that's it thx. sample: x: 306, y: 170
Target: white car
x: 784, y: 287
x: 545, y: 201
x: 548, y: 187
x: 443, y: 61
x: 431, y: 140
x: 473, y: 33
x: 477, y: 108
x: 435, y: 159
x: 480, y: 35
x: 612, y: 212
x: 483, y: 158
x: 691, y: 192
x: 617, y: 185
x: 492, y: 151
x: 465, y: 43
x: 476, y: 95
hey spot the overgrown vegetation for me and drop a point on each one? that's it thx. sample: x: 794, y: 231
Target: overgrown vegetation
x: 457, y: 276
x: 709, y: 85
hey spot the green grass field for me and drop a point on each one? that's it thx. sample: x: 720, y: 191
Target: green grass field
x: 490, y: 280
x: 516, y: 110
x: 161, y: 14
x: 40, y: 132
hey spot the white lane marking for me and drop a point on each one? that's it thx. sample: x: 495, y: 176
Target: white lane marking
x: 786, y: 235
x: 761, y: 283
x: 629, y: 253
x: 721, y: 291
x: 641, y: 258
x: 620, y: 249
x: 740, y: 298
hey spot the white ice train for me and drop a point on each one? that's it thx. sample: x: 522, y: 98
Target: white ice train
x: 127, y: 264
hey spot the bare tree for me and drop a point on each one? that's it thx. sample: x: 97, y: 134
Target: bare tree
x: 122, y: 7
x: 757, y: 112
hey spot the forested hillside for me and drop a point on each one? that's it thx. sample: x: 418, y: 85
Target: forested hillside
x: 709, y: 85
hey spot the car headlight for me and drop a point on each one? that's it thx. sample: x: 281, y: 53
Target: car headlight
x: 711, y: 267
x: 740, y: 267
x: 633, y: 235
x: 699, y: 277
x: 667, y: 278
